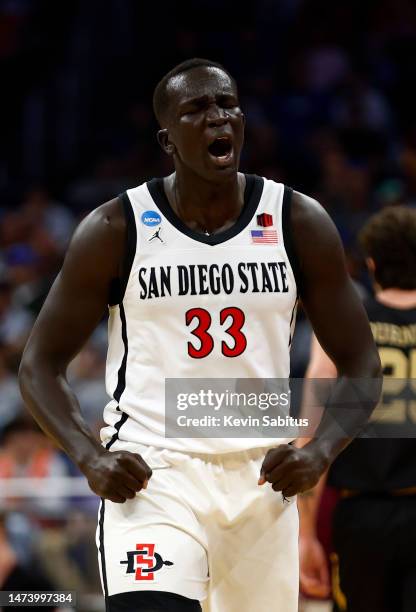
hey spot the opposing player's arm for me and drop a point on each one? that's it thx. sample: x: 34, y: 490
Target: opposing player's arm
x: 320, y: 365
x: 342, y: 329
x: 72, y: 310
x: 313, y: 569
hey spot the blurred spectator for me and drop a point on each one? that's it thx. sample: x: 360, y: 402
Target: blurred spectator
x: 69, y: 555
x: 15, y: 325
x: 326, y: 67
x: 359, y: 104
x: 56, y: 220
x: 15, y: 576
x: 9, y: 390
x: 26, y: 452
x: 85, y: 375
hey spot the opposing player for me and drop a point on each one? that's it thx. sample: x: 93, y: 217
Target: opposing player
x: 183, y: 520
x: 375, y: 549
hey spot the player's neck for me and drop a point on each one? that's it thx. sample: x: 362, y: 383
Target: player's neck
x: 397, y: 298
x: 203, y: 205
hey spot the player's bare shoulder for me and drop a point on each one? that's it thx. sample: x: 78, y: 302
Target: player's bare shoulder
x: 104, y: 222
x: 314, y: 232
x: 99, y: 241
x: 308, y: 215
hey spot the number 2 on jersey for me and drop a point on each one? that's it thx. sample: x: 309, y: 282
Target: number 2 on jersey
x: 201, y: 331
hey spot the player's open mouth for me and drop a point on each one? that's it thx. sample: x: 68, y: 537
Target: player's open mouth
x: 221, y: 150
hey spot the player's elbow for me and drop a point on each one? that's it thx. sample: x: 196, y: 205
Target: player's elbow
x: 27, y: 370
x: 31, y: 365
x: 361, y: 364
x: 38, y: 364
x: 369, y: 364
x: 374, y: 364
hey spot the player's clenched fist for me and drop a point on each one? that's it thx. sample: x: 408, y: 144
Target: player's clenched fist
x: 116, y: 476
x: 292, y: 470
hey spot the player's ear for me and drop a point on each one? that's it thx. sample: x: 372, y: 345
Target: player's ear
x: 371, y: 264
x: 165, y: 143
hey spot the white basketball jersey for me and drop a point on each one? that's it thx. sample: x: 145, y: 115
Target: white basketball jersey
x: 198, y: 306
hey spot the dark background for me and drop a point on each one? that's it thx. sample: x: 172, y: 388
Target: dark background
x: 328, y: 88
x: 324, y: 85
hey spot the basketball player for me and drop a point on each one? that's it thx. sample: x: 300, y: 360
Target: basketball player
x: 374, y: 565
x: 183, y: 519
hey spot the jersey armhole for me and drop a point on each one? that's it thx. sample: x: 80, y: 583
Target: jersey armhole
x: 118, y: 287
x: 288, y: 237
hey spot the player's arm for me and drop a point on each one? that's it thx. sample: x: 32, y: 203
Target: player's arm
x: 314, y: 575
x: 313, y: 568
x: 342, y: 329
x: 319, y: 366
x: 72, y: 310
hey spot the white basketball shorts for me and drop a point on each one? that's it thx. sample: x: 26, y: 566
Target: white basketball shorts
x: 203, y: 529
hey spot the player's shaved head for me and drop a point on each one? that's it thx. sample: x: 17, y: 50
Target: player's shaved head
x: 161, y: 95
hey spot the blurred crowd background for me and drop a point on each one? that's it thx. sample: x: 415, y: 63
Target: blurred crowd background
x: 328, y: 92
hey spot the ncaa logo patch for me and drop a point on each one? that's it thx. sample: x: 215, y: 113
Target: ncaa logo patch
x: 151, y: 218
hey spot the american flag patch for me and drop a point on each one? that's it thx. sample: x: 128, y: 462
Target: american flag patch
x: 264, y: 236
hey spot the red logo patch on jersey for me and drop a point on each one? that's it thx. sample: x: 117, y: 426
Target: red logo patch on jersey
x: 264, y: 220
x: 144, y: 561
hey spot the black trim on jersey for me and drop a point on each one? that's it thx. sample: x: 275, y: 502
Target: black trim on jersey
x: 101, y: 549
x: 114, y: 292
x: 118, y: 287
x: 156, y: 601
x: 121, y: 378
x: 252, y: 194
x: 117, y: 426
x: 291, y: 321
x: 288, y: 236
